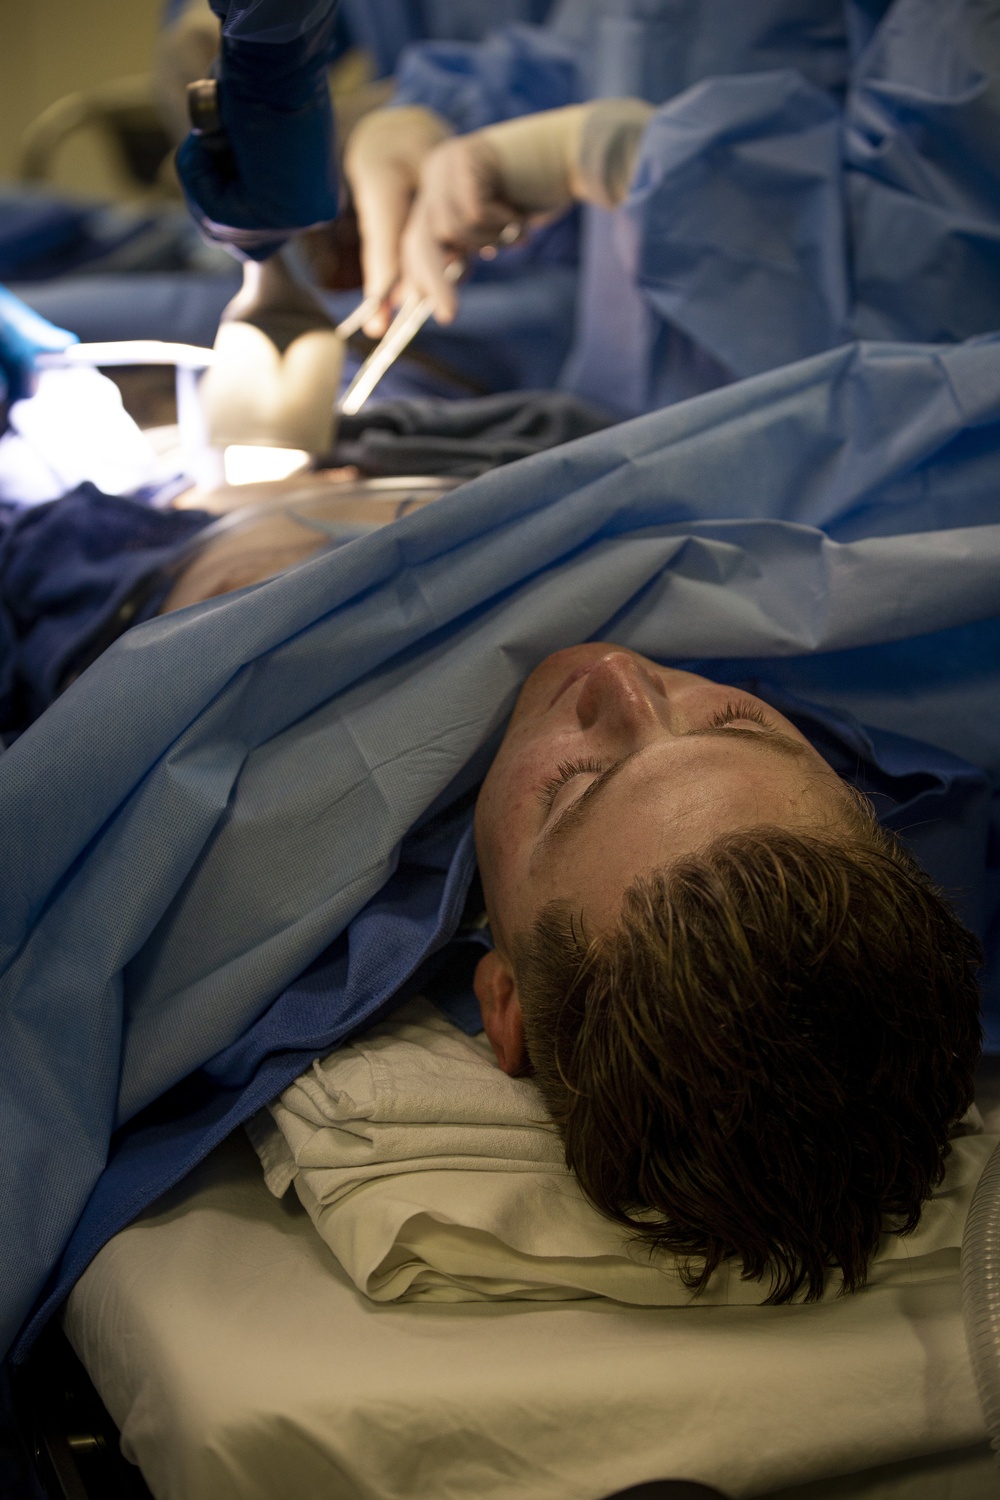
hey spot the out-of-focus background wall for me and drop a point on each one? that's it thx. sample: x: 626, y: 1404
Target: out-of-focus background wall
x: 51, y: 48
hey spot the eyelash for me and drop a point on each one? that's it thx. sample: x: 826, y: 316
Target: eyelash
x: 743, y: 709
x: 565, y: 773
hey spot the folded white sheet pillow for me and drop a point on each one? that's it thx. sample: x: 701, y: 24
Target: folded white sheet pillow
x: 432, y: 1176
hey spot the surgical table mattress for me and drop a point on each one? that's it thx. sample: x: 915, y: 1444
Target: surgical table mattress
x: 238, y: 1361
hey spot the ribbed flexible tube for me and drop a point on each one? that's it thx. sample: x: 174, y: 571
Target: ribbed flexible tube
x: 981, y: 1292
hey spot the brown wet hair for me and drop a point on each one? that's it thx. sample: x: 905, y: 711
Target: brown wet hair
x: 764, y: 1056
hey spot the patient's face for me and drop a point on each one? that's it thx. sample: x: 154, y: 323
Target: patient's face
x: 613, y: 766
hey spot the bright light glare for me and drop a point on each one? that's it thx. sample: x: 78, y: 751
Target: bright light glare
x: 248, y: 465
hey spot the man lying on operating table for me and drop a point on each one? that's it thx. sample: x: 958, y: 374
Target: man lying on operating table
x: 256, y: 836
x: 753, y: 1020
x: 692, y: 988
x: 751, y: 1015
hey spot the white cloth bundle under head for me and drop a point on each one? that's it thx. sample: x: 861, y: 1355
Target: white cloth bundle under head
x: 433, y: 1176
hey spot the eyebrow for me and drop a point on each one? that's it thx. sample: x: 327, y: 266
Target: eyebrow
x: 575, y: 814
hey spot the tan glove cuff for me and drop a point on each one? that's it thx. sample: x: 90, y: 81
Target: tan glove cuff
x: 585, y: 151
x: 534, y: 157
x: 608, y: 147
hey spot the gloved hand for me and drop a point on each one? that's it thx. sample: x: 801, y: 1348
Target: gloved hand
x: 23, y: 335
x: 482, y: 188
x: 272, y: 173
x: 382, y: 160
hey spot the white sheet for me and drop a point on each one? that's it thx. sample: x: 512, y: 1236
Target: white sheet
x: 434, y: 1177
x: 240, y: 1364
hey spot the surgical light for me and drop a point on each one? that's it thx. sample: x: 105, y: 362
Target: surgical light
x: 248, y: 465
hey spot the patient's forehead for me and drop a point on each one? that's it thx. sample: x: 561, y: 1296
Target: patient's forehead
x: 673, y: 799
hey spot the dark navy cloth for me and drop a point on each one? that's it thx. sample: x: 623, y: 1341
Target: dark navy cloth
x: 39, y: 231
x: 71, y: 576
x: 462, y: 438
x: 409, y: 939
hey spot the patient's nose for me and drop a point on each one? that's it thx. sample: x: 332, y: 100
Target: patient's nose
x: 621, y: 695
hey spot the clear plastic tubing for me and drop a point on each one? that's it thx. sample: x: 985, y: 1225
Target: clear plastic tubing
x: 981, y: 1293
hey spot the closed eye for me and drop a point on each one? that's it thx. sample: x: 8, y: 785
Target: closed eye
x: 550, y: 789
x: 740, y: 708
x: 736, y: 709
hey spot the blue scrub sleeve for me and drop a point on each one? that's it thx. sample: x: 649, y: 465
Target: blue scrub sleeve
x: 516, y: 71
x: 863, y: 18
x: 274, y: 173
x: 653, y: 49
x: 23, y: 335
x: 383, y: 28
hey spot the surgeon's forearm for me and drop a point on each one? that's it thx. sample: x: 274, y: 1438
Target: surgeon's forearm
x: 608, y: 149
x: 269, y: 170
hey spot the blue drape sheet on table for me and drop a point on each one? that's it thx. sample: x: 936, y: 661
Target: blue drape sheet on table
x: 196, y: 820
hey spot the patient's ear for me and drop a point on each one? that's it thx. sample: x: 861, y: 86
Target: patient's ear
x: 500, y: 1008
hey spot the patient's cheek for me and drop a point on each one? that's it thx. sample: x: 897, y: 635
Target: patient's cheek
x: 504, y: 832
x: 509, y: 819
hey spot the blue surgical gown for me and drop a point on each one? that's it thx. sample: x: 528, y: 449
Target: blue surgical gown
x: 215, y: 800
x: 384, y: 28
